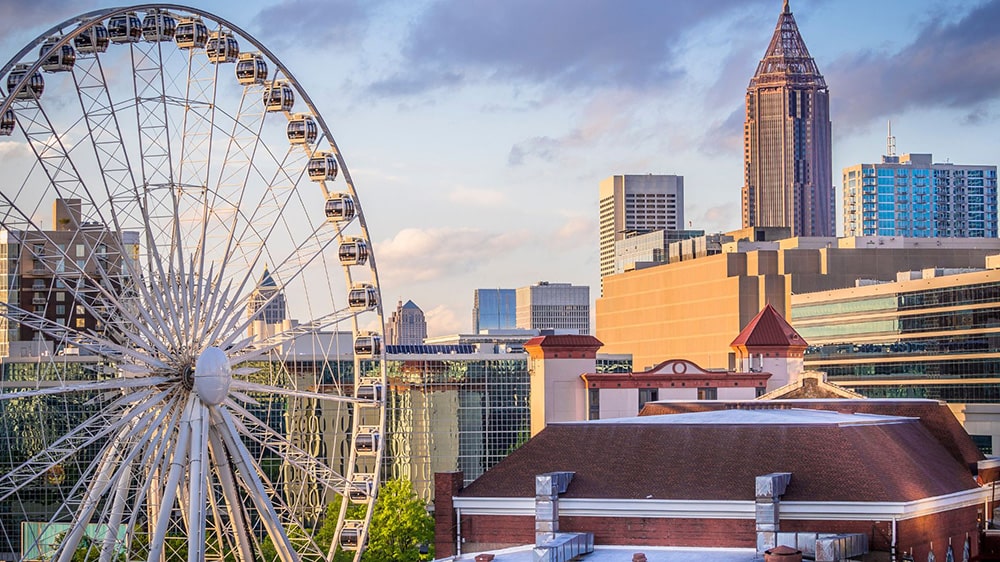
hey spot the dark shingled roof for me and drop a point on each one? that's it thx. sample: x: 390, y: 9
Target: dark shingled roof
x: 935, y: 416
x: 768, y: 328
x: 881, y: 460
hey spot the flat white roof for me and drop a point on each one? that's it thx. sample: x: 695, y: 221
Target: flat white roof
x: 620, y: 553
x: 790, y: 416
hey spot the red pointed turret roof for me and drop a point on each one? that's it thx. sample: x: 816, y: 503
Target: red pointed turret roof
x: 787, y: 60
x: 768, y: 329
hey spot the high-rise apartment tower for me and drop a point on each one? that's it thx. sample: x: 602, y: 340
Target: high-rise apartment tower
x: 637, y: 204
x: 911, y: 195
x: 787, y: 156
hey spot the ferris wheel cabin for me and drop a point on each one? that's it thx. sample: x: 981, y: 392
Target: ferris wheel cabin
x: 367, y: 344
x: 93, y: 39
x: 353, y: 251
x: 302, y: 129
x: 222, y: 47
x: 191, y: 33
x: 56, y: 59
x: 279, y: 96
x: 369, y: 389
x: 7, y: 122
x: 362, y: 488
x: 340, y: 207
x: 125, y: 28
x: 158, y: 26
x: 32, y: 89
x: 350, y: 535
x: 251, y: 68
x: 322, y: 167
x: 362, y: 297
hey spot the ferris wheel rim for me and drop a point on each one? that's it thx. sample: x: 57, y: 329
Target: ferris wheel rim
x: 84, y: 21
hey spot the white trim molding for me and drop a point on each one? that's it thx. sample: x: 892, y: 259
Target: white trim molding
x: 736, y: 509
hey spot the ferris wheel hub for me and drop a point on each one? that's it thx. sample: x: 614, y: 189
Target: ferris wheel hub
x: 212, y: 376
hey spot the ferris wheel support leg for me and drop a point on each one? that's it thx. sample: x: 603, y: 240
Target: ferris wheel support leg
x: 272, y: 523
x: 178, y: 464
x: 234, y: 506
x: 117, y: 511
x: 197, y: 482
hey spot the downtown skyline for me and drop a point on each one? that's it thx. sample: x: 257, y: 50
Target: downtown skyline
x: 477, y: 132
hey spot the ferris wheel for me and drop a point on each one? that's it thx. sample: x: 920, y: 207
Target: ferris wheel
x: 190, y: 314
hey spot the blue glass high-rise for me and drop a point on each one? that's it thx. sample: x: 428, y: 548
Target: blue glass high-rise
x: 494, y: 309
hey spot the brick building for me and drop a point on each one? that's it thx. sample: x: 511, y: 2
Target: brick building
x: 903, y: 474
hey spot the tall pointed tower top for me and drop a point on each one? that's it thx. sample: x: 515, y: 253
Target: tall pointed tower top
x: 787, y: 60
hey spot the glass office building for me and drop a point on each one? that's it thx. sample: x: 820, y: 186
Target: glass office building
x: 912, y: 196
x: 494, y: 309
x: 932, y: 334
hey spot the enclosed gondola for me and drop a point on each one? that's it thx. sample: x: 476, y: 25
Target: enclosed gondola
x: 92, y: 39
x: 362, y: 297
x: 350, y: 535
x: 322, y: 167
x: 369, y: 389
x: 366, y: 442
x: 362, y: 488
x: 222, y: 47
x: 302, y: 129
x: 56, y: 59
x: 158, y: 25
x: 278, y: 96
x: 191, y: 34
x: 251, y: 68
x: 340, y: 207
x: 367, y: 344
x: 32, y: 89
x: 7, y: 123
x: 353, y: 251
x: 124, y: 28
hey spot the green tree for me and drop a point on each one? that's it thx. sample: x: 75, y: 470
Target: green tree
x: 400, y: 525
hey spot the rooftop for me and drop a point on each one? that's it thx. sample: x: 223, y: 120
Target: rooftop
x: 794, y: 416
x: 619, y: 553
x: 769, y: 328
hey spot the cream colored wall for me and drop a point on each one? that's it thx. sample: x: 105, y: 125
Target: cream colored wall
x: 737, y: 393
x: 557, y: 392
x: 619, y: 403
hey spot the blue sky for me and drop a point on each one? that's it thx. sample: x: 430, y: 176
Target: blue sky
x: 477, y: 131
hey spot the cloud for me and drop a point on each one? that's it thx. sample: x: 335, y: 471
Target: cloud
x: 16, y: 17
x: 442, y: 321
x: 605, y: 116
x: 563, y: 43
x: 313, y: 23
x: 477, y: 197
x: 719, y: 218
x: 574, y: 233
x: 725, y: 137
x: 417, y: 255
x: 951, y: 64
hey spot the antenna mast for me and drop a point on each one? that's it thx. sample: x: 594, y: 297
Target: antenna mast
x: 890, y: 142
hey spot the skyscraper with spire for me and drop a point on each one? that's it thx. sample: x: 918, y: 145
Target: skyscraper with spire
x: 787, y: 156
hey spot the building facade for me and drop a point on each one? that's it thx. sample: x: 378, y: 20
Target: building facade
x: 911, y: 195
x: 931, y: 334
x: 554, y: 306
x: 37, y: 267
x: 787, y: 151
x: 692, y: 308
x: 651, y: 248
x: 631, y: 204
x: 406, y: 326
x: 494, y: 309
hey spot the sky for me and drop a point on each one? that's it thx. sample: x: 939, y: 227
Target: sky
x: 477, y: 131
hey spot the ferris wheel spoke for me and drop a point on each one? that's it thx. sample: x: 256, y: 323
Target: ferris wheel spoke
x: 93, y: 386
x: 245, y: 386
x: 103, y: 424
x: 256, y: 350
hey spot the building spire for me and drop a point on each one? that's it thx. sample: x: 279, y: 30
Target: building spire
x: 890, y: 142
x: 787, y: 60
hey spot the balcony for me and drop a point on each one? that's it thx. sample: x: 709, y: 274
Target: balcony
x: 39, y: 300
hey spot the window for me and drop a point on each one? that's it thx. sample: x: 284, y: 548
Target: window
x: 81, y: 322
x: 708, y: 393
x: 61, y: 297
x: 648, y: 395
x: 594, y: 403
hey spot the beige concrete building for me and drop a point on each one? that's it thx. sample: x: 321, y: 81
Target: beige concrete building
x: 637, y: 204
x: 691, y: 309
